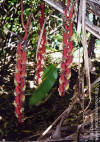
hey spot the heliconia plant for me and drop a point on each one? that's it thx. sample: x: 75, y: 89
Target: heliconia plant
x: 46, y: 80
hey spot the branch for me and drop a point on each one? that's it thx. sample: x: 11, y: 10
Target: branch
x: 94, y: 1
x: 92, y: 28
x: 92, y: 32
x: 55, y: 5
x: 86, y: 61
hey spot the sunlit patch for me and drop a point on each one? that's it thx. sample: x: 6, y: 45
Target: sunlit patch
x: 56, y: 57
x: 76, y: 56
x: 31, y: 83
x: 1, y: 118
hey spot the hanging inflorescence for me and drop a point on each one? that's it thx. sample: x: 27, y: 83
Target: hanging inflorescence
x: 67, y: 49
x: 41, y: 49
x: 20, y: 74
x: 20, y: 81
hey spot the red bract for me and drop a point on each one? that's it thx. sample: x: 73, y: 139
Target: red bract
x: 67, y: 71
x: 68, y: 61
x: 43, y: 50
x: 67, y: 50
x: 17, y: 77
x: 17, y: 89
x: 61, y: 88
x: 39, y: 65
x: 37, y: 75
x: 63, y: 66
x: 62, y: 78
x: 23, y: 73
x: 24, y: 56
x: 66, y: 83
x: 19, y: 63
x: 71, y: 12
x: 17, y: 100
x: 19, y: 49
x: 70, y: 32
x: 19, y: 113
x: 70, y: 47
x: 22, y: 83
x: 64, y: 38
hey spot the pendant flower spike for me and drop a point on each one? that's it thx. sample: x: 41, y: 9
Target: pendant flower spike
x: 67, y: 49
x: 41, y: 50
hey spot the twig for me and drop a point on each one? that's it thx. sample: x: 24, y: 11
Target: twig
x: 92, y: 32
x: 53, y: 31
x: 96, y: 81
x: 79, y: 25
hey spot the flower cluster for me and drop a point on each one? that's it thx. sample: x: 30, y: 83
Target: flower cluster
x: 41, y: 49
x: 67, y: 50
x: 20, y: 81
x: 20, y: 74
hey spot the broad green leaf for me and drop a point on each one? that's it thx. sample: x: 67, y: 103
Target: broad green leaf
x: 49, y: 78
x: 48, y: 70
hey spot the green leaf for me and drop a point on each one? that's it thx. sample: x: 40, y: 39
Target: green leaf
x: 49, y: 78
